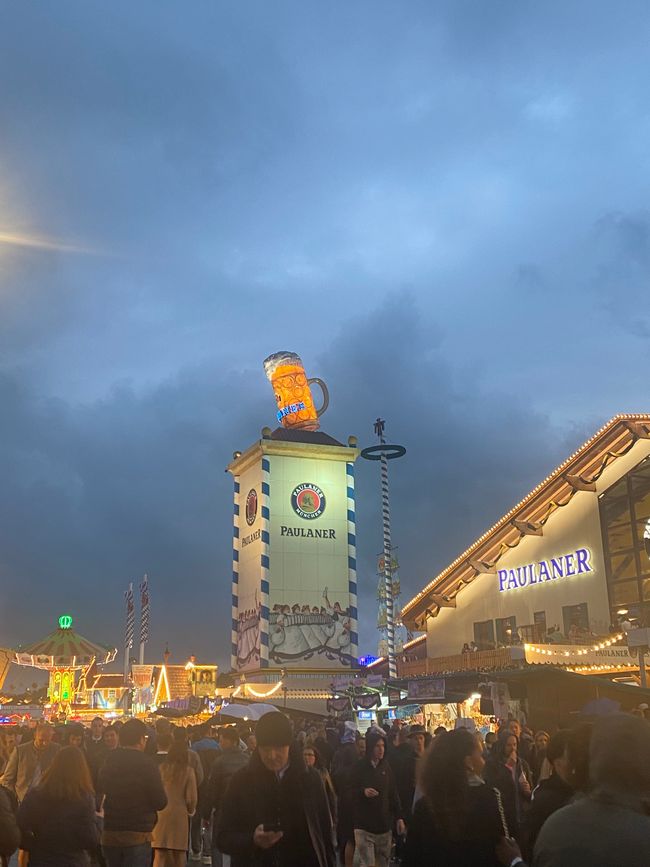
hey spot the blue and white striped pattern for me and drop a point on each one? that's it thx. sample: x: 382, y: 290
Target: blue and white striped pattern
x: 352, y: 560
x: 388, y: 555
x: 265, y: 562
x: 235, y: 577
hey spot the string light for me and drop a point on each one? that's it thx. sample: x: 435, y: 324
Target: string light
x: 267, y: 694
x: 601, y: 645
x: 609, y: 456
x: 581, y: 669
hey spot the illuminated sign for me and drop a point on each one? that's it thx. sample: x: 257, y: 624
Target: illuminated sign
x: 308, y: 501
x: 564, y: 566
x: 288, y: 410
x: 367, y: 660
x: 296, y: 408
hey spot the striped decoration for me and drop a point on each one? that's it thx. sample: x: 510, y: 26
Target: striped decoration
x: 388, y: 580
x: 265, y: 562
x: 130, y: 618
x: 235, y: 578
x: 144, y: 610
x: 352, y: 561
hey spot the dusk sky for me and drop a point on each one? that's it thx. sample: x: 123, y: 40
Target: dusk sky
x: 443, y: 207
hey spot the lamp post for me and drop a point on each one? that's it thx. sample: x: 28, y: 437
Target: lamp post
x: 385, y: 452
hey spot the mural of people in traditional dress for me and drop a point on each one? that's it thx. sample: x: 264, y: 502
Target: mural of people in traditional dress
x: 248, y: 636
x: 300, y: 631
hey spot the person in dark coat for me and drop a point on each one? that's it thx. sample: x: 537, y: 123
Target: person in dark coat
x: 229, y: 760
x: 511, y: 775
x: 9, y: 831
x: 552, y: 793
x: 610, y: 825
x: 404, y: 763
x: 376, y: 808
x: 133, y: 795
x: 57, y: 816
x: 458, y: 821
x: 275, y: 812
x: 344, y: 760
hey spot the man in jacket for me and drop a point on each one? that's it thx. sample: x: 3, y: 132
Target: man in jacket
x: 552, y: 793
x: 611, y: 824
x: 275, y: 812
x: 229, y: 760
x: 29, y: 761
x: 134, y: 794
x: 376, y: 805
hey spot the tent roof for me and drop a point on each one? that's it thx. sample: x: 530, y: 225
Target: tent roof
x: 65, y: 648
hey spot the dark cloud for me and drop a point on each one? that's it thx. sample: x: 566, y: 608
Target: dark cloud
x: 97, y: 494
x: 441, y: 206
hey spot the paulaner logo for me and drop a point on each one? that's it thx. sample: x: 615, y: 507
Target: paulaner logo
x: 308, y: 501
x: 563, y: 566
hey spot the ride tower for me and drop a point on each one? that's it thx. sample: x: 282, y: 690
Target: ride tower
x: 294, y: 582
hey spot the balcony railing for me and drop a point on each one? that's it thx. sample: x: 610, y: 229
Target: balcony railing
x: 480, y: 660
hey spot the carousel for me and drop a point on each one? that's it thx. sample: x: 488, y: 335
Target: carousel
x: 72, y: 662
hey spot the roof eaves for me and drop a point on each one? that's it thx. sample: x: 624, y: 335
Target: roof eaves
x: 632, y: 425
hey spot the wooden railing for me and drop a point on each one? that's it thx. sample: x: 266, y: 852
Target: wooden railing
x: 504, y: 657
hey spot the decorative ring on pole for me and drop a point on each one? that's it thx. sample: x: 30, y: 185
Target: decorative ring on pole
x: 374, y: 453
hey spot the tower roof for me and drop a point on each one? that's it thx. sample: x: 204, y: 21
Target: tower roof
x: 293, y: 435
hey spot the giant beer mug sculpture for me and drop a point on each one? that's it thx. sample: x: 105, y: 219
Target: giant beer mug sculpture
x: 296, y: 408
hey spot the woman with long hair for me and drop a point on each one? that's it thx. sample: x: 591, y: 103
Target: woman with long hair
x: 459, y: 819
x: 57, y: 816
x: 171, y: 833
x: 313, y: 759
x: 511, y: 775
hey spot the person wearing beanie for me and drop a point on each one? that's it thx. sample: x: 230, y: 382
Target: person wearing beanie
x: 276, y: 813
x: 377, y: 811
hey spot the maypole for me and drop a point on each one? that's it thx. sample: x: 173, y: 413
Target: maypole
x: 144, y: 616
x: 385, y: 452
x: 129, y: 630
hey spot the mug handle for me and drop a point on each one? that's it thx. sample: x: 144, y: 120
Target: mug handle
x: 326, y: 394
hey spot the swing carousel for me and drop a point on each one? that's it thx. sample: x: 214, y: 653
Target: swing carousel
x: 70, y: 660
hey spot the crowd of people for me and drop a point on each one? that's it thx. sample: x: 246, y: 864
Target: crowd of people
x: 318, y: 795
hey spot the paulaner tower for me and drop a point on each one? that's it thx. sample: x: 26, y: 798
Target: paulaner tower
x: 294, y: 584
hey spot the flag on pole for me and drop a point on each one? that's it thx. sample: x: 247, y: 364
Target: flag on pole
x: 130, y: 617
x: 144, y: 610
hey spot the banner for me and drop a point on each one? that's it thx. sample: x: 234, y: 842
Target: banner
x: 142, y: 675
x: 367, y: 701
x: 427, y: 689
x: 573, y: 655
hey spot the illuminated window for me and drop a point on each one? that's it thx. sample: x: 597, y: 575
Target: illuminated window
x: 624, y: 512
x: 484, y: 634
x: 506, y: 630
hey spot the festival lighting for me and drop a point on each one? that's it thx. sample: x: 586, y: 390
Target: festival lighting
x: 606, y: 459
x: 583, y: 651
x: 267, y: 694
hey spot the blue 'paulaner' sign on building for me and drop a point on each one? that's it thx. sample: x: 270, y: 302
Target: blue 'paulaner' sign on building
x: 563, y: 566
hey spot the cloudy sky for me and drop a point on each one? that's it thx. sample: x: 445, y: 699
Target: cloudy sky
x: 443, y: 207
